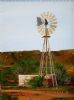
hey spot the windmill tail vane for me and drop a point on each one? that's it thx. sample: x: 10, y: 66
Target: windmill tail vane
x: 39, y: 21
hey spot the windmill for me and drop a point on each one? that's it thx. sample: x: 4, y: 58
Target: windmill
x: 46, y: 24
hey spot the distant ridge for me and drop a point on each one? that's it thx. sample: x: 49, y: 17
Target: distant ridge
x: 8, y: 59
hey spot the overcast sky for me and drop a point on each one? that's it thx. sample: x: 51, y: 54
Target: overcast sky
x: 18, y: 30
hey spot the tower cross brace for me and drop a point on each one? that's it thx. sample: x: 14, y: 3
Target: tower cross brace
x: 46, y: 63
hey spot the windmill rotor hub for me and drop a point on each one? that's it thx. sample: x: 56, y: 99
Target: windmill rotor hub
x: 46, y: 22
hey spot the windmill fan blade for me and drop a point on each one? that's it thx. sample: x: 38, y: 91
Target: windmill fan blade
x: 52, y: 19
x: 47, y: 16
x: 42, y: 16
x: 54, y: 22
x: 53, y: 26
x: 39, y: 21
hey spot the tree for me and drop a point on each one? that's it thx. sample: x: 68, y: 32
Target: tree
x: 60, y: 73
x: 26, y: 66
x: 7, y: 75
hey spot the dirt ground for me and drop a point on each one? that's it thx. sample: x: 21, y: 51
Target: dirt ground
x: 37, y: 94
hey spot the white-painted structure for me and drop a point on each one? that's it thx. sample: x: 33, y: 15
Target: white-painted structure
x: 23, y: 79
x: 49, y: 76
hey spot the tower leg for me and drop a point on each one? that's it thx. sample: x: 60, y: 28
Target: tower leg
x: 46, y: 63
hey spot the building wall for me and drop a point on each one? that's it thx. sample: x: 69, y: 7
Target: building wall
x: 23, y: 79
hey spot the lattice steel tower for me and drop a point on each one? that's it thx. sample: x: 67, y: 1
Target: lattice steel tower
x: 46, y: 25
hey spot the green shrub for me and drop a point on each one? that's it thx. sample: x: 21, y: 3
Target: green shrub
x: 5, y: 97
x: 36, y: 81
x: 61, y: 73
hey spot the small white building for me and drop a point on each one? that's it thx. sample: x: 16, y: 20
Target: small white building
x: 23, y: 79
